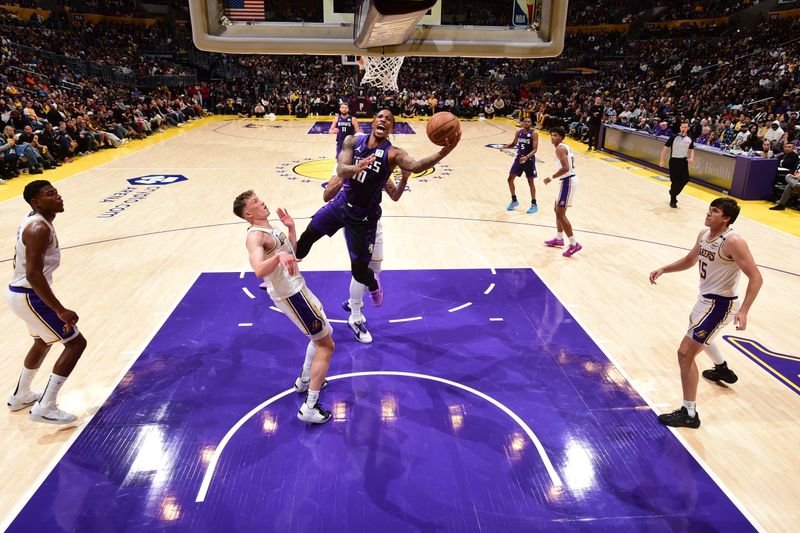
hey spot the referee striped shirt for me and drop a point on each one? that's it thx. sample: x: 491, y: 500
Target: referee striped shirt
x: 679, y: 146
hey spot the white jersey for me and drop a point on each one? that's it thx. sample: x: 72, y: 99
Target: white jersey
x: 280, y: 284
x: 719, y: 274
x: 52, y: 254
x: 570, y: 162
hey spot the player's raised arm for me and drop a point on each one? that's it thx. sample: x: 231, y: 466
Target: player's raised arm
x: 356, y: 125
x: 288, y: 221
x: 333, y: 186
x: 401, y: 158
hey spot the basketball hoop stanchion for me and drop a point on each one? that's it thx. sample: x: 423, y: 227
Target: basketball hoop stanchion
x: 382, y: 71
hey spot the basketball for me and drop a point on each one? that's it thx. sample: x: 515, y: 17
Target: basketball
x: 441, y: 126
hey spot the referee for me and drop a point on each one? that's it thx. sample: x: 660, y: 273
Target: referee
x: 679, y: 147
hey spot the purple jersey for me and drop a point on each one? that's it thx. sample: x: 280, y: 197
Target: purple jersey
x: 524, y: 143
x: 346, y: 127
x: 365, y: 188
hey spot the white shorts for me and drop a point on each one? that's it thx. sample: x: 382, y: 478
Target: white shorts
x: 305, y: 310
x: 567, y: 191
x: 710, y: 314
x: 43, y: 323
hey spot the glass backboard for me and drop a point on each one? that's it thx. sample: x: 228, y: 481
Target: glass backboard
x: 456, y: 28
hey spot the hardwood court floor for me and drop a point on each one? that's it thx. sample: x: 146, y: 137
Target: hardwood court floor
x: 130, y: 252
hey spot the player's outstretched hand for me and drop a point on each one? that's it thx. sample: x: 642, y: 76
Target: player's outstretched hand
x: 451, y: 142
x: 289, y: 262
x: 286, y: 220
x: 547, y: 180
x: 364, y: 163
x: 655, y: 274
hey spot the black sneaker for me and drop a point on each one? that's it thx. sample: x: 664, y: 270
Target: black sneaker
x: 778, y: 207
x: 680, y: 419
x: 673, y: 205
x: 721, y: 373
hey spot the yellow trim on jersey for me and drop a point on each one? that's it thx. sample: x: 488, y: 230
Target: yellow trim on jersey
x: 719, y: 252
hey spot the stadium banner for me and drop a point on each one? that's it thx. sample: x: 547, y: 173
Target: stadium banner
x: 24, y: 13
x: 93, y: 18
x: 696, y: 23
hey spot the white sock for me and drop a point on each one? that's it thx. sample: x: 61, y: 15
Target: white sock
x: 691, y: 407
x: 311, y: 349
x: 356, y: 301
x: 713, y: 352
x: 560, y: 235
x: 51, y: 391
x: 573, y: 241
x: 311, y: 399
x: 25, y: 380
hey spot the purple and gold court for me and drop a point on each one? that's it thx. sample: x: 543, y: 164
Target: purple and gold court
x: 481, y: 405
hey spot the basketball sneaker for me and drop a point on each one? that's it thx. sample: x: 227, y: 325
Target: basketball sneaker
x: 377, y: 295
x: 680, y: 419
x: 512, y: 205
x: 721, y: 373
x: 19, y: 402
x: 554, y: 243
x: 301, y: 387
x: 360, y: 330
x: 572, y: 250
x: 313, y: 415
x: 50, y: 415
x: 346, y: 307
x: 533, y: 209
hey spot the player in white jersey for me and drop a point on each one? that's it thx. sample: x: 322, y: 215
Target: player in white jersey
x: 272, y: 258
x: 31, y: 298
x: 569, y: 183
x: 357, y: 320
x: 720, y: 254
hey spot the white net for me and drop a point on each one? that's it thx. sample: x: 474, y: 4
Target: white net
x: 382, y: 71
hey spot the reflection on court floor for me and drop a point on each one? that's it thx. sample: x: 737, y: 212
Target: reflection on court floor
x: 481, y: 405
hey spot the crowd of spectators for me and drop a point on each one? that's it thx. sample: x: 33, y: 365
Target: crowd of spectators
x: 732, y: 87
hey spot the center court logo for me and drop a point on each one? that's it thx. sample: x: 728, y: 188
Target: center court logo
x: 310, y: 170
x: 139, y: 189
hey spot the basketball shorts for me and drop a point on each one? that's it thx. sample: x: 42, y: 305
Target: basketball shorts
x: 305, y: 311
x: 42, y: 322
x: 567, y: 191
x: 528, y: 167
x: 360, y: 227
x: 710, y: 314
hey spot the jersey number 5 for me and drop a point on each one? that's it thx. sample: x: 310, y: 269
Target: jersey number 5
x: 703, y: 269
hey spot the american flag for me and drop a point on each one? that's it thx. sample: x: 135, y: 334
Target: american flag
x: 244, y: 10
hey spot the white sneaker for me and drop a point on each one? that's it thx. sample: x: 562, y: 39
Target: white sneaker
x: 50, y: 415
x: 360, y: 330
x: 301, y: 386
x: 17, y: 403
x: 313, y: 415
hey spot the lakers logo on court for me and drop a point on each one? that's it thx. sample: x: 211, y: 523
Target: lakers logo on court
x: 309, y: 170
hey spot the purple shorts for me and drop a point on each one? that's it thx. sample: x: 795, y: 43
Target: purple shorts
x: 360, y: 226
x: 529, y: 167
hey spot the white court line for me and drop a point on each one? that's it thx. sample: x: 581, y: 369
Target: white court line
x: 244, y: 324
x: 241, y: 274
x: 395, y: 320
x: 248, y: 293
x: 495, y: 320
x: 678, y: 436
x: 85, y: 420
x: 212, y: 464
x: 459, y: 308
x: 337, y: 321
x: 487, y: 291
x: 275, y: 308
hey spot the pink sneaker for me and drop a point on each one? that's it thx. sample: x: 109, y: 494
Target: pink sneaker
x: 573, y: 249
x: 377, y: 295
x: 555, y: 243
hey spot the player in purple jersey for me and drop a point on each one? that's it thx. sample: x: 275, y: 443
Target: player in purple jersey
x: 365, y: 164
x: 527, y: 142
x: 343, y: 126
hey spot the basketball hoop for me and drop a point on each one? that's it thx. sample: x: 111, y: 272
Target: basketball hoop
x: 382, y: 71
